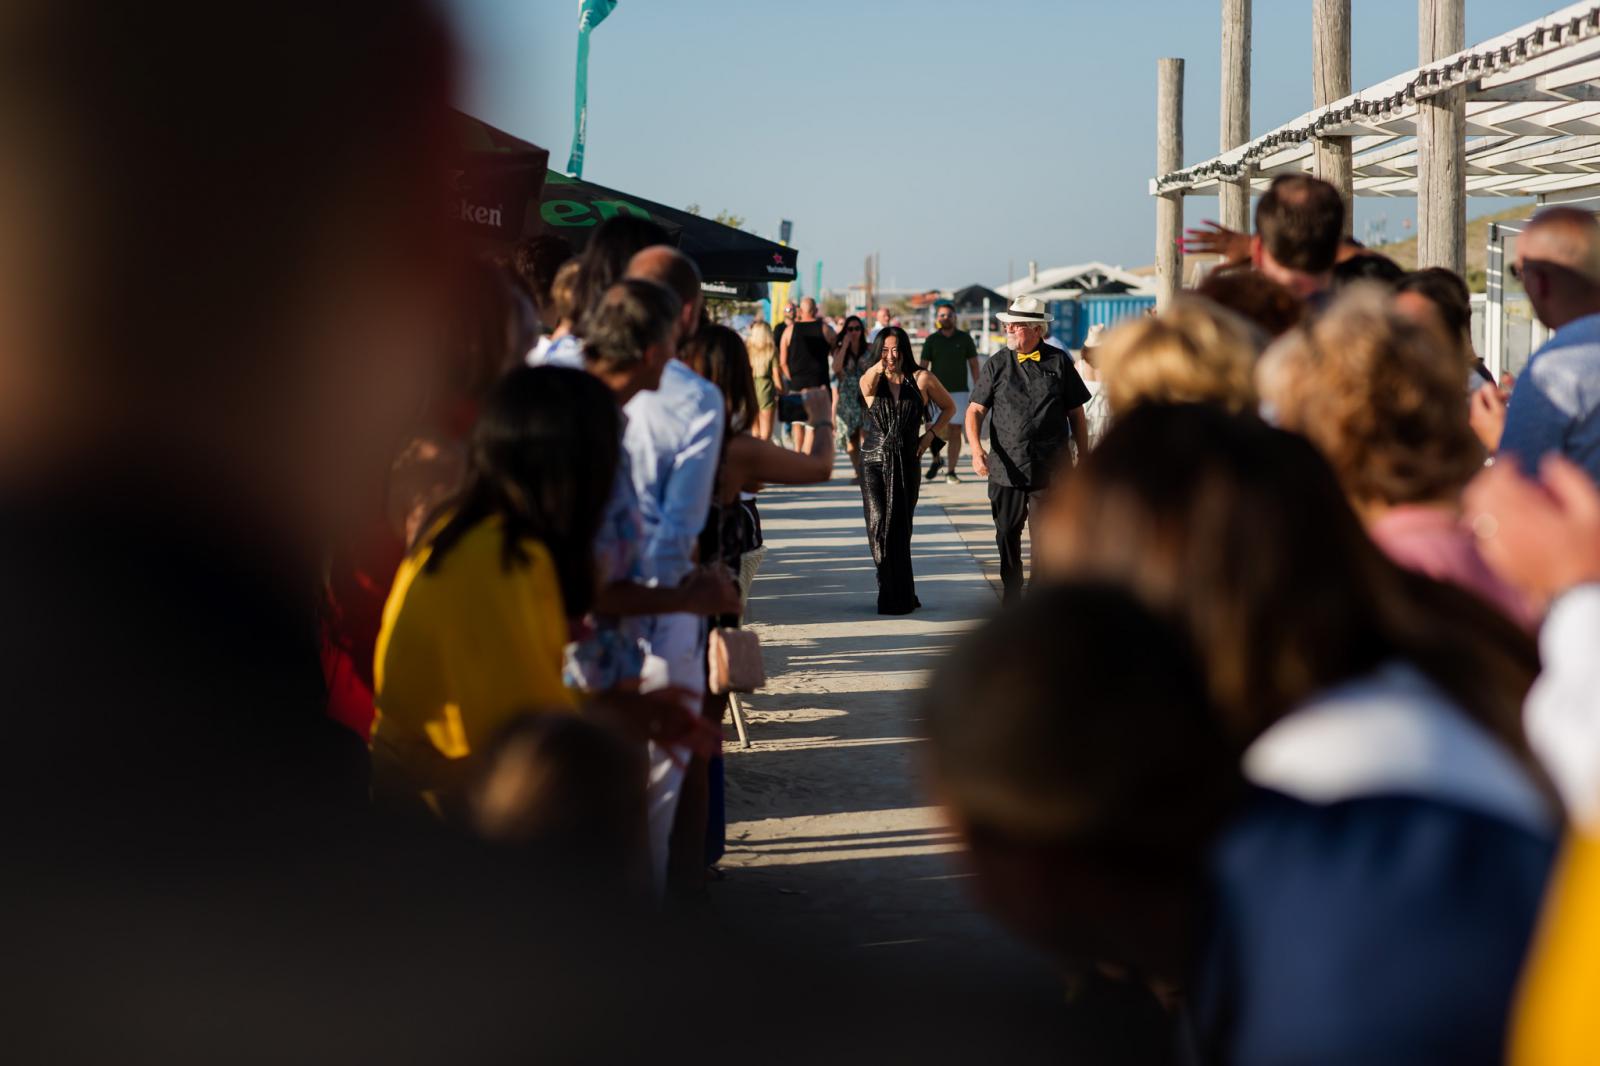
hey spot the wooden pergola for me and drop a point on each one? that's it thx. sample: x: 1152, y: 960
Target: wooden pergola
x: 1526, y: 108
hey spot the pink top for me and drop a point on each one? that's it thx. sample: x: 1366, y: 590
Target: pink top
x: 1430, y: 541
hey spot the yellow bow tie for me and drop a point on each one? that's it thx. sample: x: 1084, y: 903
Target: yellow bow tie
x: 1033, y: 355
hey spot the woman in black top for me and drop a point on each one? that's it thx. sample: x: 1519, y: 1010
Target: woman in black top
x: 889, y: 460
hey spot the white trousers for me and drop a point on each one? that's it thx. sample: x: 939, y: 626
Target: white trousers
x: 677, y: 659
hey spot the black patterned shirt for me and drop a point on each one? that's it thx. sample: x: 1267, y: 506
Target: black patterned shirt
x: 1029, y: 404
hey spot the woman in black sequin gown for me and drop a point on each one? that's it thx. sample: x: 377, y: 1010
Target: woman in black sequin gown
x: 890, y: 449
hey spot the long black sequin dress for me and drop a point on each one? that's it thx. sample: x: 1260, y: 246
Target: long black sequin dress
x: 889, y: 483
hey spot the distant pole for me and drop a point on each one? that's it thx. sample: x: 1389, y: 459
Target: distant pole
x: 1235, y: 195
x: 1441, y: 144
x: 985, y: 325
x: 1169, y: 157
x: 1330, y: 79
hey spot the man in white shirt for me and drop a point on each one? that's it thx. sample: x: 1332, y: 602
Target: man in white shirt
x: 674, y: 443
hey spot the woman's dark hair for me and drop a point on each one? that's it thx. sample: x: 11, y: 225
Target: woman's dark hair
x: 536, y: 261
x: 853, y: 359
x: 1369, y: 267
x: 1242, y: 532
x: 718, y: 354
x: 1255, y: 297
x: 542, y: 459
x: 568, y: 791
x: 907, y: 366
x: 604, y: 260
x: 1445, y: 290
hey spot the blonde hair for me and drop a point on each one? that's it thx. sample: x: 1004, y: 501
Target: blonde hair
x: 1193, y: 352
x: 564, y: 293
x: 758, y: 341
x: 1379, y: 396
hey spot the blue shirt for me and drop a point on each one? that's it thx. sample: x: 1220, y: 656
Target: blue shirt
x: 1555, y: 406
x: 674, y: 443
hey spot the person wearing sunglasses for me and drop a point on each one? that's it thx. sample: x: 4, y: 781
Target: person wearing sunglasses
x: 849, y: 363
x: 1557, y: 402
x: 1035, y: 398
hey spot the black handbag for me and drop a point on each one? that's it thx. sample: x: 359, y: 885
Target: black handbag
x: 791, y: 408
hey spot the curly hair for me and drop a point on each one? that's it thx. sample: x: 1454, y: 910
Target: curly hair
x: 1379, y: 397
x: 1253, y: 296
x: 1193, y: 352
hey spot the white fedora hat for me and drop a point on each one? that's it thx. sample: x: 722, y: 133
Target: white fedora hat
x: 1026, y: 309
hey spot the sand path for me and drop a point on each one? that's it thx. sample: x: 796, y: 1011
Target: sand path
x: 830, y: 834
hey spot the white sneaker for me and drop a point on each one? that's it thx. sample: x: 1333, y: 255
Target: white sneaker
x: 951, y: 479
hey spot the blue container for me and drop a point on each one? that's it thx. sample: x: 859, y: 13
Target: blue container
x: 1074, y: 317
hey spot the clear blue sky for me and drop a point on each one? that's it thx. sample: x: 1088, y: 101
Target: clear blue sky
x: 948, y: 135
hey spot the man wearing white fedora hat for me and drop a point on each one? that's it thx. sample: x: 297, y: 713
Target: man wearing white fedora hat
x: 1034, y: 398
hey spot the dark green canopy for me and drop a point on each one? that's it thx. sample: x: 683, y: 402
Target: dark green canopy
x: 494, y: 182
x: 726, y: 256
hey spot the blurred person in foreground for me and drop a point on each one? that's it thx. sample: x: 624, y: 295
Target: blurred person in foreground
x: 1543, y: 534
x: 674, y: 440
x: 222, y: 293
x: 199, y: 399
x: 1253, y: 296
x: 1399, y: 828
x: 1381, y: 398
x: 1556, y: 407
x: 1034, y: 401
x: 1087, y: 823
x: 482, y: 339
x: 1297, y: 242
x: 1193, y: 352
x: 1438, y: 299
x: 1369, y: 268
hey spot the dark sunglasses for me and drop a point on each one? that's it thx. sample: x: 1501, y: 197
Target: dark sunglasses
x: 852, y: 329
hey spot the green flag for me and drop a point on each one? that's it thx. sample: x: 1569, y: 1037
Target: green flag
x: 590, y: 14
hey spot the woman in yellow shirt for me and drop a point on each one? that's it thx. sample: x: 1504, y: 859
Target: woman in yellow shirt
x: 475, y: 624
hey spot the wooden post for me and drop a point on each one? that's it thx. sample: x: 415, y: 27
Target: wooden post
x: 1330, y: 78
x: 1234, y: 196
x: 1169, y: 157
x: 1442, y: 144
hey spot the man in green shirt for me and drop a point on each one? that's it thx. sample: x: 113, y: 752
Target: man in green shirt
x: 952, y: 357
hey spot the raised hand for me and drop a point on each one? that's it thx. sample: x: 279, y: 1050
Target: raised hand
x: 709, y: 591
x: 1487, y: 415
x: 1233, y: 246
x: 818, y: 405
x: 1542, y: 536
